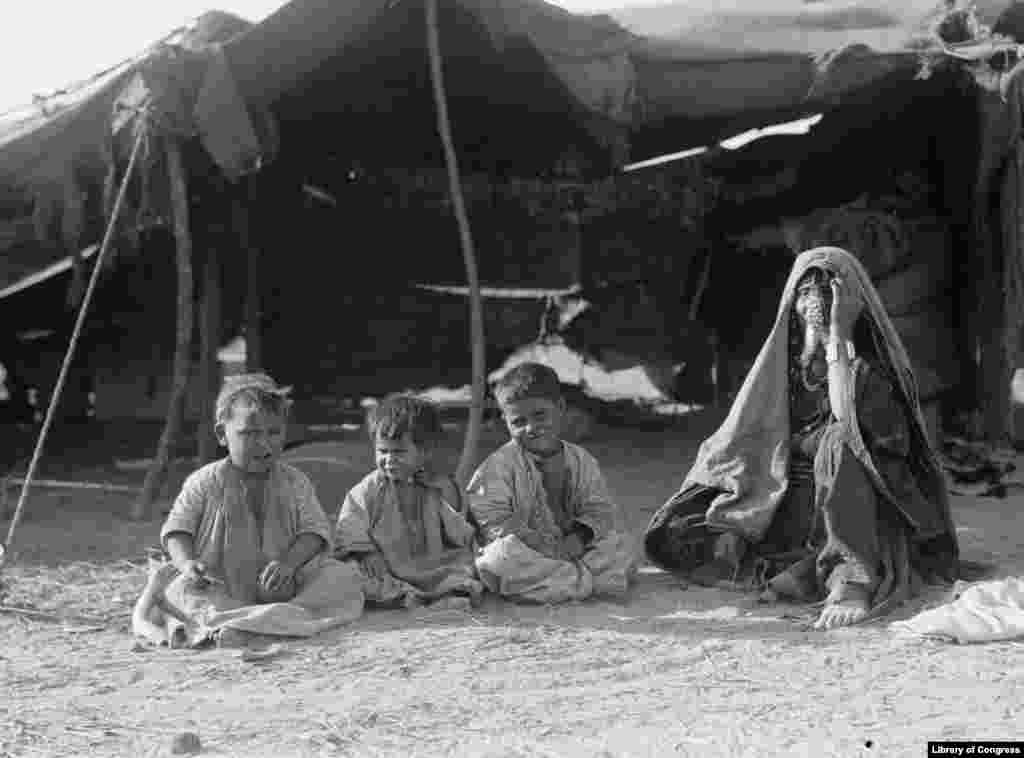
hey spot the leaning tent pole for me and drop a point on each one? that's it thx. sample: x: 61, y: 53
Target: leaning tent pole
x: 476, y: 311
x: 72, y: 344
x: 157, y: 473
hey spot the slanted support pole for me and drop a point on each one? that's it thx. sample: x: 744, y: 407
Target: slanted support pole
x: 157, y: 474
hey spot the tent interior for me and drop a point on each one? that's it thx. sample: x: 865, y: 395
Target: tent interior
x: 901, y: 159
x: 889, y: 177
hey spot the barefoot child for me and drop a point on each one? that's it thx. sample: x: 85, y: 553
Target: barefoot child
x: 403, y: 524
x: 247, y: 536
x: 542, y: 505
x: 153, y: 618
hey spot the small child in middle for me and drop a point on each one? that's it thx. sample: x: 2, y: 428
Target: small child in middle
x: 405, y: 525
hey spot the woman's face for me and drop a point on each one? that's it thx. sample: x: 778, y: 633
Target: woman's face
x: 813, y: 300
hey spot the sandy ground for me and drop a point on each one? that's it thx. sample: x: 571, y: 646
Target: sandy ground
x: 676, y: 671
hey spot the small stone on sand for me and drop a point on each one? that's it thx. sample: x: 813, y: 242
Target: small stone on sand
x: 186, y: 743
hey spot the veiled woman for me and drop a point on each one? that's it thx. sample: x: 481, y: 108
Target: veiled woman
x: 821, y: 484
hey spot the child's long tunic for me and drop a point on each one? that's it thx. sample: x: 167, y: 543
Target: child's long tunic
x: 235, y: 544
x: 522, y: 524
x: 428, y: 546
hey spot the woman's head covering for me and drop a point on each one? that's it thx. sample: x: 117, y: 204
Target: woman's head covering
x: 748, y: 456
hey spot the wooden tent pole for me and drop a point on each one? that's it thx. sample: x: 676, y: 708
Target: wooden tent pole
x: 1013, y: 289
x: 253, y: 308
x: 476, y: 313
x: 210, y: 339
x: 157, y: 474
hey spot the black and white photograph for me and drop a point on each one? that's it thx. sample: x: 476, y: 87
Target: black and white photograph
x: 512, y: 378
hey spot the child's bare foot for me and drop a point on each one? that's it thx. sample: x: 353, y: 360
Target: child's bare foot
x: 228, y: 638
x: 160, y: 575
x: 148, y: 618
x: 849, y: 609
x: 412, y: 601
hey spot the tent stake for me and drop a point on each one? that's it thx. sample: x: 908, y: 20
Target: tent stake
x: 476, y: 313
x: 157, y: 473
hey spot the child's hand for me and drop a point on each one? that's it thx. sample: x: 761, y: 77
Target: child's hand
x: 572, y: 547
x: 428, y: 478
x: 375, y: 566
x: 194, y: 573
x: 275, y: 576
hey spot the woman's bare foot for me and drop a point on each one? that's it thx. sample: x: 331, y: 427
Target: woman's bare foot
x: 852, y: 606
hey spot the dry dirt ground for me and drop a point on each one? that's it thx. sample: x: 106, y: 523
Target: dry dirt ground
x: 676, y: 671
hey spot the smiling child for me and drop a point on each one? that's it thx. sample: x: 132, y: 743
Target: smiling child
x: 551, y: 528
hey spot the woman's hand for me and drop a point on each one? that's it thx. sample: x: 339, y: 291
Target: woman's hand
x: 846, y: 309
x: 375, y: 566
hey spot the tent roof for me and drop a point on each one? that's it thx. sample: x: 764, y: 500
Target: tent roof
x: 602, y: 69
x: 592, y: 63
x: 353, y: 73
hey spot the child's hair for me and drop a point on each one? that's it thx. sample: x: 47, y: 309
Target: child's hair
x: 257, y: 390
x: 402, y: 413
x: 528, y: 380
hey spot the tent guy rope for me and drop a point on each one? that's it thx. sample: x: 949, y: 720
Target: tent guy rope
x: 72, y: 344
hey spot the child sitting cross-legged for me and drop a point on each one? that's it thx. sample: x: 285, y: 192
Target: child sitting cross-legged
x: 551, y: 528
x: 248, y: 541
x: 403, y: 524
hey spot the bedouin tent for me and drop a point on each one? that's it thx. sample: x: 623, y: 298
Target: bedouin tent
x: 516, y: 67
x: 319, y: 71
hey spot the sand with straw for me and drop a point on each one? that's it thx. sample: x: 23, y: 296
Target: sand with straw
x: 675, y: 672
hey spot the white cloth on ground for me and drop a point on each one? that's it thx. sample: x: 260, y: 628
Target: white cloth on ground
x: 982, y: 612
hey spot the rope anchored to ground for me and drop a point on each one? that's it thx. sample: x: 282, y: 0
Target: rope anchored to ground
x: 72, y: 345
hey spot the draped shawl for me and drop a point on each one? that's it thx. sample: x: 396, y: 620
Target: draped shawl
x: 747, y: 457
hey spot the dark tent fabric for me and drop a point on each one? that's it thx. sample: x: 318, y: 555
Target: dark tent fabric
x: 54, y: 159
x: 603, y: 68
x: 604, y: 71
x: 352, y: 75
x: 333, y: 467
x: 527, y: 60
